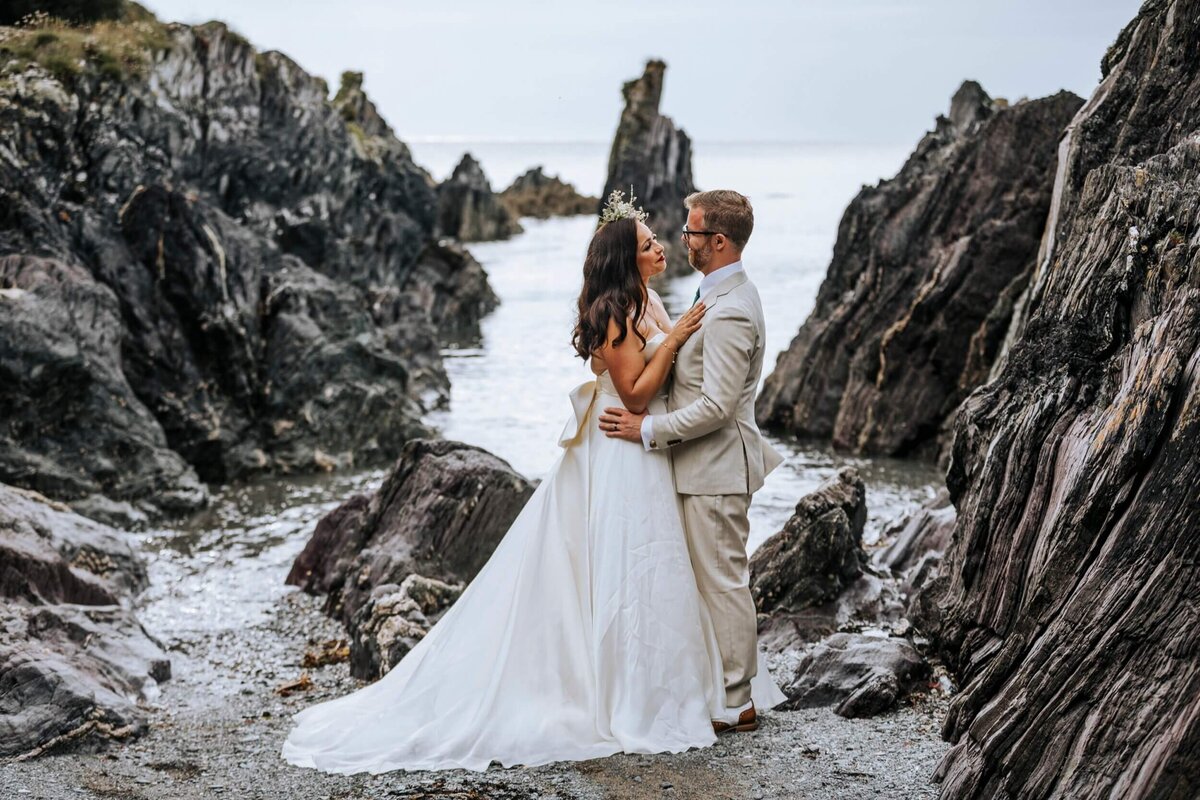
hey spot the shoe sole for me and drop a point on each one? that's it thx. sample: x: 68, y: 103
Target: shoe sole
x: 746, y: 728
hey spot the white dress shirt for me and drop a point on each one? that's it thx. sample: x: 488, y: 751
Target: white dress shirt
x: 707, y: 284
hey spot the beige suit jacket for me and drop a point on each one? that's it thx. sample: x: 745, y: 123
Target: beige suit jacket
x: 715, y: 443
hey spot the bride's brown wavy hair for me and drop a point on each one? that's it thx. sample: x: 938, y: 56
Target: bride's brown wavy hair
x: 612, y: 288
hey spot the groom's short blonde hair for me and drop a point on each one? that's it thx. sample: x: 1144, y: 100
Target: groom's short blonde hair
x: 725, y: 211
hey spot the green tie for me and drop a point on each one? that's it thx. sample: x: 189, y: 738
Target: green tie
x: 696, y: 299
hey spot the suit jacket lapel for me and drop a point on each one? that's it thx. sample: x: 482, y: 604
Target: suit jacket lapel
x: 725, y: 287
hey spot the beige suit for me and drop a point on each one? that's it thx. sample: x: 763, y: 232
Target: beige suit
x: 720, y: 459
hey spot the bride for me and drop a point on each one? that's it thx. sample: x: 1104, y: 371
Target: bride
x: 584, y: 635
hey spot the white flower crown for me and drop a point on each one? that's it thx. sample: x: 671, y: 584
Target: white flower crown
x: 618, y: 207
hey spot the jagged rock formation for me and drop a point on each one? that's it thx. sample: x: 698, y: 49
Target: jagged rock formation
x: 210, y: 269
x: 819, y: 551
x: 71, y: 425
x: 440, y: 514
x: 467, y: 208
x: 1068, y: 612
x: 654, y: 157
x: 74, y: 661
x: 813, y: 578
x: 925, y: 272
x: 536, y: 194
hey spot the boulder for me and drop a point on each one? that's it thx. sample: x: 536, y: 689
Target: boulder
x: 536, y: 194
x: 76, y: 667
x: 861, y: 675
x: 819, y: 551
x: 653, y: 157
x: 467, y: 208
x: 1066, y: 604
x: 393, y: 620
x: 926, y: 270
x: 870, y: 601
x: 439, y: 514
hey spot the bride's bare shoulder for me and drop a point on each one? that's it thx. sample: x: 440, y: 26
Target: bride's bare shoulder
x: 658, y: 310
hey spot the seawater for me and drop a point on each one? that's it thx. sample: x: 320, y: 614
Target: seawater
x: 509, y: 393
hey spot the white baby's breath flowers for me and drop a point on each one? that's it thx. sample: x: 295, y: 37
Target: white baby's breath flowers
x: 618, y: 207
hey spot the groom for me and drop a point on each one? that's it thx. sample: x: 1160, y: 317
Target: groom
x: 719, y: 455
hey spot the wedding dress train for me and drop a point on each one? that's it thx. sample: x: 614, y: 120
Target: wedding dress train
x: 583, y: 636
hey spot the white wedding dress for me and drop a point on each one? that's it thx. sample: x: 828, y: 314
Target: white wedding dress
x: 583, y: 636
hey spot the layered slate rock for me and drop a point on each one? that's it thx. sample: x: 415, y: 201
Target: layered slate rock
x: 75, y: 664
x: 925, y: 273
x: 536, y: 194
x: 245, y: 275
x: 467, y: 208
x: 1068, y: 614
x: 914, y: 555
x: 653, y: 157
x: 440, y: 514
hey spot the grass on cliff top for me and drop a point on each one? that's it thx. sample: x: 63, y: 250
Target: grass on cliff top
x: 114, y: 49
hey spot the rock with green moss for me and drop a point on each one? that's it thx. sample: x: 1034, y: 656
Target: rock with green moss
x: 244, y: 227
x: 536, y: 194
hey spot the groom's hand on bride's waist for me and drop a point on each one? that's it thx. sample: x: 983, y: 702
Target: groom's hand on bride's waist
x: 620, y: 423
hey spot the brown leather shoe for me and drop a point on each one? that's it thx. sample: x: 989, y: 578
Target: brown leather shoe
x: 747, y: 721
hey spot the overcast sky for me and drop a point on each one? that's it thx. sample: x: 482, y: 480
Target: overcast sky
x: 739, y: 70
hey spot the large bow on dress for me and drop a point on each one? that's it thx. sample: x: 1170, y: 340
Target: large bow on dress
x: 583, y: 397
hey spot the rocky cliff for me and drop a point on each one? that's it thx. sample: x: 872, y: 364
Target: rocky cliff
x: 654, y: 157
x: 210, y: 269
x: 1067, y: 602
x: 925, y: 272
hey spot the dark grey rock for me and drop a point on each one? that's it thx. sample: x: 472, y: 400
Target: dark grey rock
x: 868, y: 602
x: 925, y: 275
x: 819, y: 551
x: 467, y: 208
x: 1069, y: 589
x: 70, y: 423
x: 653, y: 157
x: 440, y: 514
x: 74, y: 661
x: 233, y: 274
x: 862, y: 675
x: 927, y: 530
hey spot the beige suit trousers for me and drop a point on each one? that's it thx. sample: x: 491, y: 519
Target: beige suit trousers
x: 717, y: 530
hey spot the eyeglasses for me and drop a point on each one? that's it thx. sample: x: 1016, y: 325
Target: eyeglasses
x: 686, y: 233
